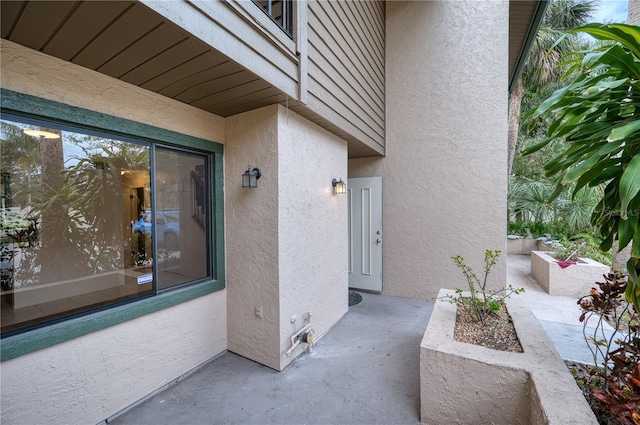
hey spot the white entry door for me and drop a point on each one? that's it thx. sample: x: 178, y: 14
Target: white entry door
x: 365, y: 233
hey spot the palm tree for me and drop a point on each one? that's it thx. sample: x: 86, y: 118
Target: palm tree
x: 552, y: 43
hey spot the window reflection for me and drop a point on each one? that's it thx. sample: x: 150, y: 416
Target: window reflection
x: 65, y: 240
x: 77, y: 226
x: 180, y: 217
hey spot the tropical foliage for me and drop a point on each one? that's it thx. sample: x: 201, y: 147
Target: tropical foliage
x: 529, y: 187
x: 529, y: 201
x: 596, y: 115
x: 541, y: 70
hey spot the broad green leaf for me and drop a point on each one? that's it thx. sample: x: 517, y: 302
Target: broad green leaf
x: 626, y: 230
x: 607, y: 242
x: 555, y: 97
x: 559, y: 189
x: 631, y: 268
x: 536, y: 147
x: 590, y: 175
x: 577, y: 171
x: 611, y: 172
x: 616, y: 57
x: 621, y: 133
x: 630, y: 183
x: 627, y: 35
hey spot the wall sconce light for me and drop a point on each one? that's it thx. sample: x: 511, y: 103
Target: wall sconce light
x: 250, y: 177
x: 339, y: 187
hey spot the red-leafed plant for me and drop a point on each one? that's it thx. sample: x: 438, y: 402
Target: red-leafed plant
x: 623, y: 397
x: 617, y: 351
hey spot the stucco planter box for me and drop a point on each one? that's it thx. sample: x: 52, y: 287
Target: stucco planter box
x: 463, y: 383
x: 522, y: 246
x: 574, y: 281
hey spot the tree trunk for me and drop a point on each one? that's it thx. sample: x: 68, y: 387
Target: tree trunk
x: 515, y: 102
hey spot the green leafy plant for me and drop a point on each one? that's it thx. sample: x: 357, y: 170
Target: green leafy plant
x: 538, y: 228
x: 481, y: 301
x: 581, y: 245
x: 529, y: 200
x: 617, y: 353
x: 597, y: 115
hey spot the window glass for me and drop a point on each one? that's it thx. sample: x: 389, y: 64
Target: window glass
x: 180, y: 217
x: 77, y: 221
x: 280, y: 11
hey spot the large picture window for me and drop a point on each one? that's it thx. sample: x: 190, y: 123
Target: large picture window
x: 91, y: 219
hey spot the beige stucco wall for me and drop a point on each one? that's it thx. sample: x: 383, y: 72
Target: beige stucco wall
x: 87, y: 379
x: 312, y: 233
x: 633, y: 14
x: 574, y: 281
x: 286, y: 239
x: 34, y: 73
x: 444, y: 174
x: 252, y: 236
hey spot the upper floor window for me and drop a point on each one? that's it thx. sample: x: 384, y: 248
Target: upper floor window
x: 91, y: 219
x: 280, y: 11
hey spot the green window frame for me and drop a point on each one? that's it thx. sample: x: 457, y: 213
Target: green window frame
x: 27, y: 106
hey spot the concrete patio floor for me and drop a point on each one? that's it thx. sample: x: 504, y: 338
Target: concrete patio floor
x: 364, y: 371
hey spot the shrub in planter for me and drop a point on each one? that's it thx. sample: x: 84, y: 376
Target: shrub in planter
x: 481, y: 300
x: 613, y: 387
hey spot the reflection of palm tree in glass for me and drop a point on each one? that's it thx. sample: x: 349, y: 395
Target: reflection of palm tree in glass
x: 81, y: 207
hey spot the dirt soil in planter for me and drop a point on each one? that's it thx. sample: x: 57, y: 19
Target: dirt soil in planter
x: 497, y: 331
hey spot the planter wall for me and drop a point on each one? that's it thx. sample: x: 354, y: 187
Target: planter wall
x: 574, y: 281
x: 468, y: 384
x: 524, y: 246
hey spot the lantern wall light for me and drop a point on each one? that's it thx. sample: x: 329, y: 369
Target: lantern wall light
x: 250, y: 177
x: 339, y: 187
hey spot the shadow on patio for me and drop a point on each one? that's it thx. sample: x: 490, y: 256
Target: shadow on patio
x: 364, y: 371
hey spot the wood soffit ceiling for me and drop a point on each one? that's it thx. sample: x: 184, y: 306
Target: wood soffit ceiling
x: 128, y: 41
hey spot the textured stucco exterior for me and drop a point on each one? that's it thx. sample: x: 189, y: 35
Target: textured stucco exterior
x: 574, y: 281
x: 30, y: 72
x: 444, y: 173
x: 313, y: 235
x: 286, y: 239
x: 88, y: 379
x: 633, y: 13
x: 92, y: 377
x: 252, y: 236
x: 464, y: 383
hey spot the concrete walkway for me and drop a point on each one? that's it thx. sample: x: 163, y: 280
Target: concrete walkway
x: 559, y: 316
x: 364, y: 371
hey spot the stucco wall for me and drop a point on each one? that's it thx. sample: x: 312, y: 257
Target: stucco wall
x: 86, y: 380
x: 30, y: 72
x: 445, y: 178
x: 92, y: 377
x: 633, y: 14
x: 252, y: 236
x: 312, y: 230
x: 286, y: 239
